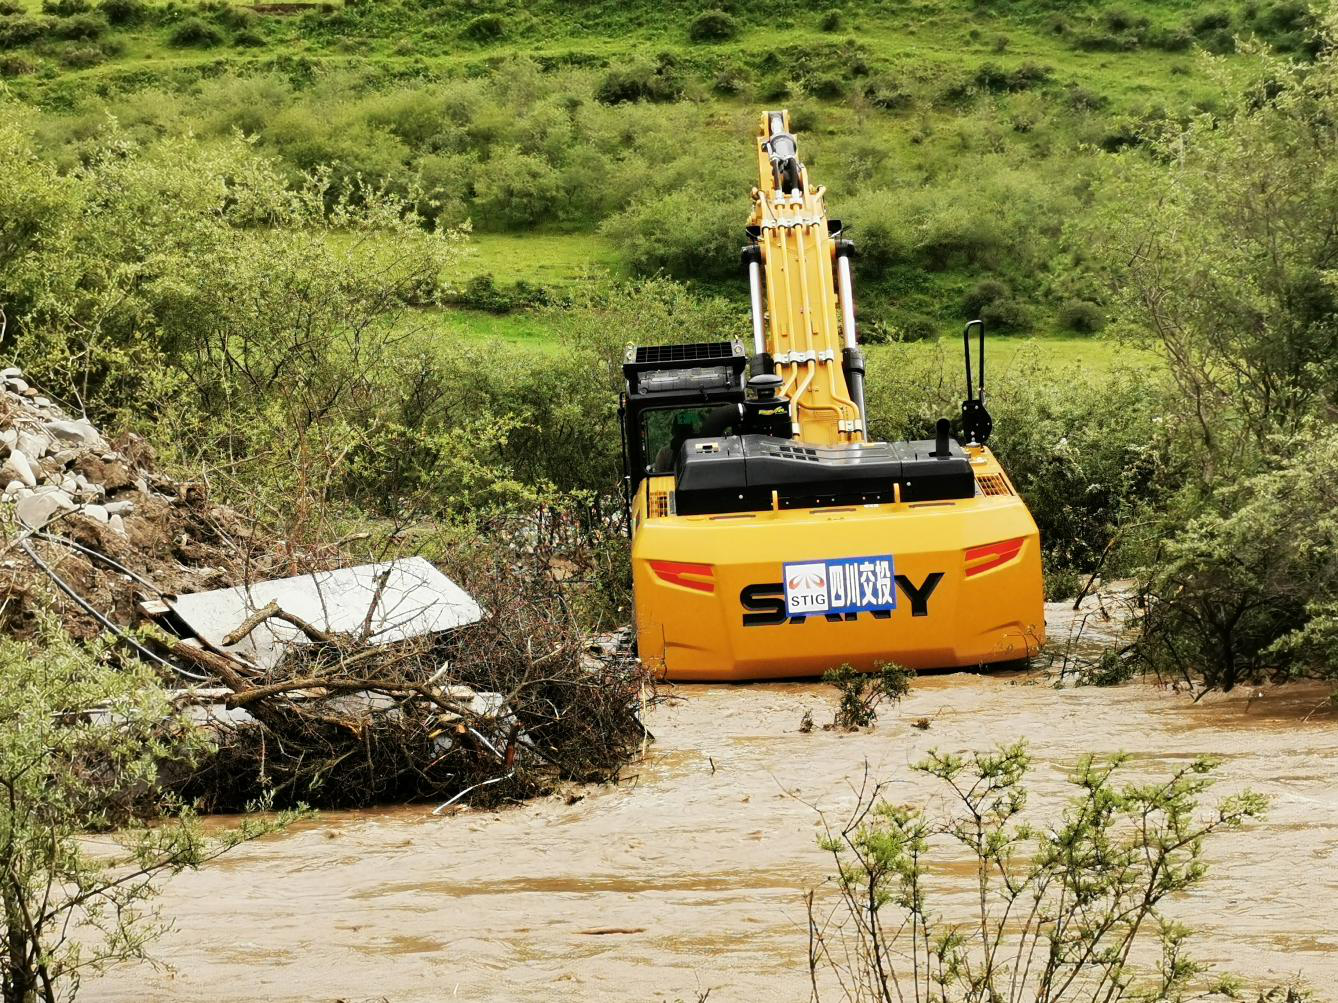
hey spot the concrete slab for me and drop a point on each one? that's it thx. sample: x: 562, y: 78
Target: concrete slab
x: 417, y: 600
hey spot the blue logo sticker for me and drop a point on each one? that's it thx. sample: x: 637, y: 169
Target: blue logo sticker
x: 844, y: 585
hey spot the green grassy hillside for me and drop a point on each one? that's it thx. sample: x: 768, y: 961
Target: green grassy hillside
x: 596, y: 139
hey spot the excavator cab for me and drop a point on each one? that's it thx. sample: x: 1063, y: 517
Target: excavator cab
x: 770, y: 537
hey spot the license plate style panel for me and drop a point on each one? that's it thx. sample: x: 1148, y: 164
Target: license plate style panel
x: 840, y: 585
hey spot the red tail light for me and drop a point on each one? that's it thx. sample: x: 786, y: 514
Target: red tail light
x: 691, y: 576
x: 991, y: 555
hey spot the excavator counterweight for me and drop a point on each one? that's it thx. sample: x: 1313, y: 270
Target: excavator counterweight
x: 770, y: 537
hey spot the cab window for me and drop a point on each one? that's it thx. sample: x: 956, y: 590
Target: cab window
x: 664, y: 431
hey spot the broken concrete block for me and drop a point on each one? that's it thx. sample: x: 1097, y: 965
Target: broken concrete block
x: 78, y: 432
x: 36, y: 510
x: 33, y: 443
x: 16, y: 465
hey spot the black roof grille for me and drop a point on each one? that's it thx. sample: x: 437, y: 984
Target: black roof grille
x: 698, y: 352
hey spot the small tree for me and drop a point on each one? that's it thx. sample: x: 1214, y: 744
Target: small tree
x: 1065, y: 910
x: 1220, y: 247
x: 863, y: 692
x: 80, y: 750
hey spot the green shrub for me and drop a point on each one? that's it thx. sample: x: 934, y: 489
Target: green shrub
x: 862, y: 693
x: 123, y: 12
x: 832, y: 20
x: 11, y: 7
x: 80, y: 27
x: 196, y: 33
x: 886, y: 92
x: 983, y: 294
x: 1007, y: 315
x: 915, y: 326
x: 640, y: 80
x: 485, y: 28
x: 66, y: 8
x: 82, y: 58
x: 712, y: 26
x: 513, y: 189
x: 22, y: 30
x: 1249, y: 590
x: 1081, y: 316
x: 829, y: 87
x: 690, y: 233
x: 1211, y: 21
x: 248, y: 38
x: 1171, y: 39
x: 17, y: 66
x: 992, y: 77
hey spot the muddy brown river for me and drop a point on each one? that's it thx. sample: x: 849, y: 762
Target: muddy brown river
x: 689, y: 876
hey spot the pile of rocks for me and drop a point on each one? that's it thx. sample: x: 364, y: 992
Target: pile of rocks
x: 53, y: 463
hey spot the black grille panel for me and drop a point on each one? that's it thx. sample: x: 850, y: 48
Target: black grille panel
x: 657, y: 355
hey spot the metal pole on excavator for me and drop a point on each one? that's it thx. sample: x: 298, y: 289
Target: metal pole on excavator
x: 753, y: 256
x: 854, y: 358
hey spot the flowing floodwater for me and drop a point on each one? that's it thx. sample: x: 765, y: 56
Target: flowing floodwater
x: 690, y: 875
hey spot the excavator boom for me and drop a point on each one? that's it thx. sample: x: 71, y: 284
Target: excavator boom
x: 771, y: 537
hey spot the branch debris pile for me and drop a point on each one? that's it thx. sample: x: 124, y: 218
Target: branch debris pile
x: 508, y: 706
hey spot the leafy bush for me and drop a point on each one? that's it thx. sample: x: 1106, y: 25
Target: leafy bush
x: 482, y: 292
x: 829, y: 87
x: 485, y: 28
x: 123, y: 12
x: 67, y: 769
x: 687, y: 233
x: 513, y: 189
x: 862, y: 693
x: 81, y: 26
x: 983, y: 294
x: 10, y: 7
x: 195, y: 32
x: 1067, y: 906
x: 82, y: 58
x: 1081, y: 316
x: 1252, y: 343
x: 712, y: 26
x: 66, y: 8
x: 248, y: 38
x: 640, y: 80
x: 885, y: 92
x: 17, y: 66
x: 831, y: 20
x: 1249, y: 590
x: 1006, y: 314
x: 1211, y: 21
x: 992, y: 77
x: 20, y: 30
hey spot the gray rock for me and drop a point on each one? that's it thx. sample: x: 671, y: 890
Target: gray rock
x: 96, y: 512
x: 69, y: 485
x: 79, y: 433
x: 33, y: 443
x: 10, y: 437
x: 16, y: 385
x: 13, y: 488
x: 120, y: 507
x: 36, y: 510
x: 117, y: 524
x: 16, y: 465
x: 12, y: 373
x: 111, y: 457
x: 42, y: 401
x: 66, y: 456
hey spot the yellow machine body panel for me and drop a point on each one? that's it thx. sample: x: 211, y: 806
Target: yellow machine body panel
x: 916, y: 553
x: 710, y: 592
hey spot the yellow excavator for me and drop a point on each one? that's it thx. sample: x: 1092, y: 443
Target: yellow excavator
x: 770, y: 537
